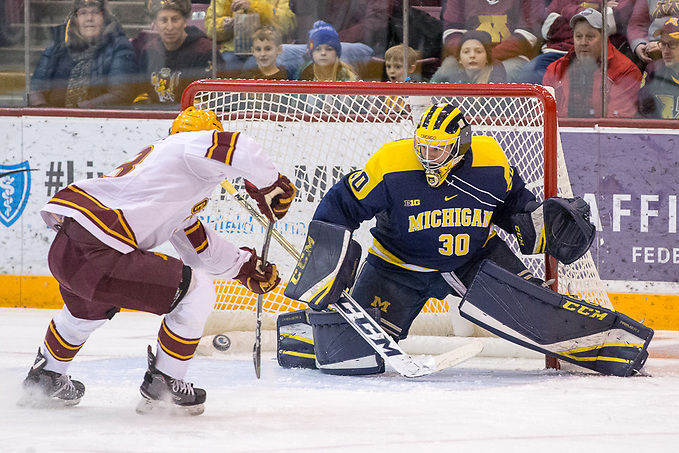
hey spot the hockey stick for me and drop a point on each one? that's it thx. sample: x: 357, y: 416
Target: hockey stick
x: 369, y: 329
x: 259, y: 217
x: 257, y: 349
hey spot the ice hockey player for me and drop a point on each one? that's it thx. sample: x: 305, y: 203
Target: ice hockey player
x: 436, y: 199
x: 101, y: 255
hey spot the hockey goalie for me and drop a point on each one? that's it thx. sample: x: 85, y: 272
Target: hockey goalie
x: 437, y: 199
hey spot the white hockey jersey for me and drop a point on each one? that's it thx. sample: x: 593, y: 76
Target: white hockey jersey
x: 156, y: 196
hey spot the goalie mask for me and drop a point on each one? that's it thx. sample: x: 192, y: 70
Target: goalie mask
x: 442, y: 138
x: 193, y: 119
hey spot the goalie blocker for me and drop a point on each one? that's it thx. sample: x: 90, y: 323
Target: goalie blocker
x: 326, y: 267
x: 560, y: 326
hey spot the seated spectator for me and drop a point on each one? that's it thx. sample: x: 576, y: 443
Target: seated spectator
x: 326, y: 52
x: 647, y: 17
x: 514, y: 27
x: 659, y: 95
x: 576, y: 77
x: 271, y: 12
x: 89, y: 64
x: 266, y: 47
x: 475, y: 60
x: 558, y: 34
x: 360, y: 24
x: 176, y: 57
x: 393, y: 63
x: 395, y: 72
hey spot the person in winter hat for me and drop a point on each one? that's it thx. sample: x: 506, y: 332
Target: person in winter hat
x: 324, y: 33
x: 90, y: 62
x: 325, y: 51
x: 475, y: 56
x: 577, y: 76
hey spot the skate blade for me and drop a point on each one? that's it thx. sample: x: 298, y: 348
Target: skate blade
x: 162, y: 408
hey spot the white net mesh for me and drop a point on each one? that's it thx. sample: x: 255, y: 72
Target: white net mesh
x: 316, y: 133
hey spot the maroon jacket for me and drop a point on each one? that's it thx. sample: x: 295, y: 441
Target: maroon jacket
x: 622, y: 86
x: 514, y: 25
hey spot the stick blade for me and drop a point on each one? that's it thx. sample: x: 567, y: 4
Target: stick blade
x: 458, y: 355
x: 257, y: 359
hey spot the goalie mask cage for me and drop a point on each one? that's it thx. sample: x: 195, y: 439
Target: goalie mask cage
x: 316, y: 132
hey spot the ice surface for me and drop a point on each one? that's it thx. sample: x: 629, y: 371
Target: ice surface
x: 484, y: 405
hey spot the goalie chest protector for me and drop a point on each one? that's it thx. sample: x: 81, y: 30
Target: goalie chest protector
x: 560, y: 326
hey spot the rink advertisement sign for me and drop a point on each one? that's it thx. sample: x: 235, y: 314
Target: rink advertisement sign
x: 15, y: 186
x: 630, y: 178
x: 631, y: 184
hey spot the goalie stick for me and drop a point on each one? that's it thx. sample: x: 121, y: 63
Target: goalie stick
x: 257, y: 348
x: 369, y: 329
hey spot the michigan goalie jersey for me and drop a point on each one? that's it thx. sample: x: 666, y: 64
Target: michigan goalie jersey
x: 423, y: 228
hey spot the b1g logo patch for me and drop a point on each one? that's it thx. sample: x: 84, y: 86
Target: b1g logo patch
x: 15, y: 186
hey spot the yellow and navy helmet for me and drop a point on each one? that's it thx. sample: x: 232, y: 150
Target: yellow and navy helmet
x: 442, y: 138
x: 193, y: 119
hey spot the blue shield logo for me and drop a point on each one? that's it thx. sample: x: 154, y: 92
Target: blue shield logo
x: 15, y: 186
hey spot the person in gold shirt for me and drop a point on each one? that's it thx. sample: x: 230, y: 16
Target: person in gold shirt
x: 221, y: 17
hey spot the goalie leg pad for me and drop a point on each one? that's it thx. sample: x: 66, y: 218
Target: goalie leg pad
x: 340, y: 349
x: 295, y: 340
x: 326, y: 267
x: 570, y: 329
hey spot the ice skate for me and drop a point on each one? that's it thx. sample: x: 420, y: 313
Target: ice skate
x: 164, y: 394
x: 43, y: 388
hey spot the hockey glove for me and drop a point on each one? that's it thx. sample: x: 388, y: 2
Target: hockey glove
x: 256, y: 280
x: 559, y: 226
x: 273, y: 201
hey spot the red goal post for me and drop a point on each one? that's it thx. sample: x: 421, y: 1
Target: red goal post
x: 318, y: 131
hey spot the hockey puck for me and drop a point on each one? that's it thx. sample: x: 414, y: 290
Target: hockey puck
x: 222, y: 343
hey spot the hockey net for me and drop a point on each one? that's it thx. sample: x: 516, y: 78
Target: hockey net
x: 316, y: 132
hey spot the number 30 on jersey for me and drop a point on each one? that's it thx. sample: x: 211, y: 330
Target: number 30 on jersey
x: 454, y: 244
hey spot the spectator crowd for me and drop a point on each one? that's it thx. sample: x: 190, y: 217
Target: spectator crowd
x: 621, y: 62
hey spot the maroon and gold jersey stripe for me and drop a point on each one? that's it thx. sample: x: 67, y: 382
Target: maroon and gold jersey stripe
x: 58, y: 347
x: 197, y: 236
x: 223, y: 146
x: 175, y: 346
x: 110, y: 221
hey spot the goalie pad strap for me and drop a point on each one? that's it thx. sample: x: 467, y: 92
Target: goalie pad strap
x: 570, y: 329
x: 326, y: 267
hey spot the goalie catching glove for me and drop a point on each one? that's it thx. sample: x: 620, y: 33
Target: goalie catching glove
x: 558, y: 226
x: 275, y: 200
x: 255, y: 277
